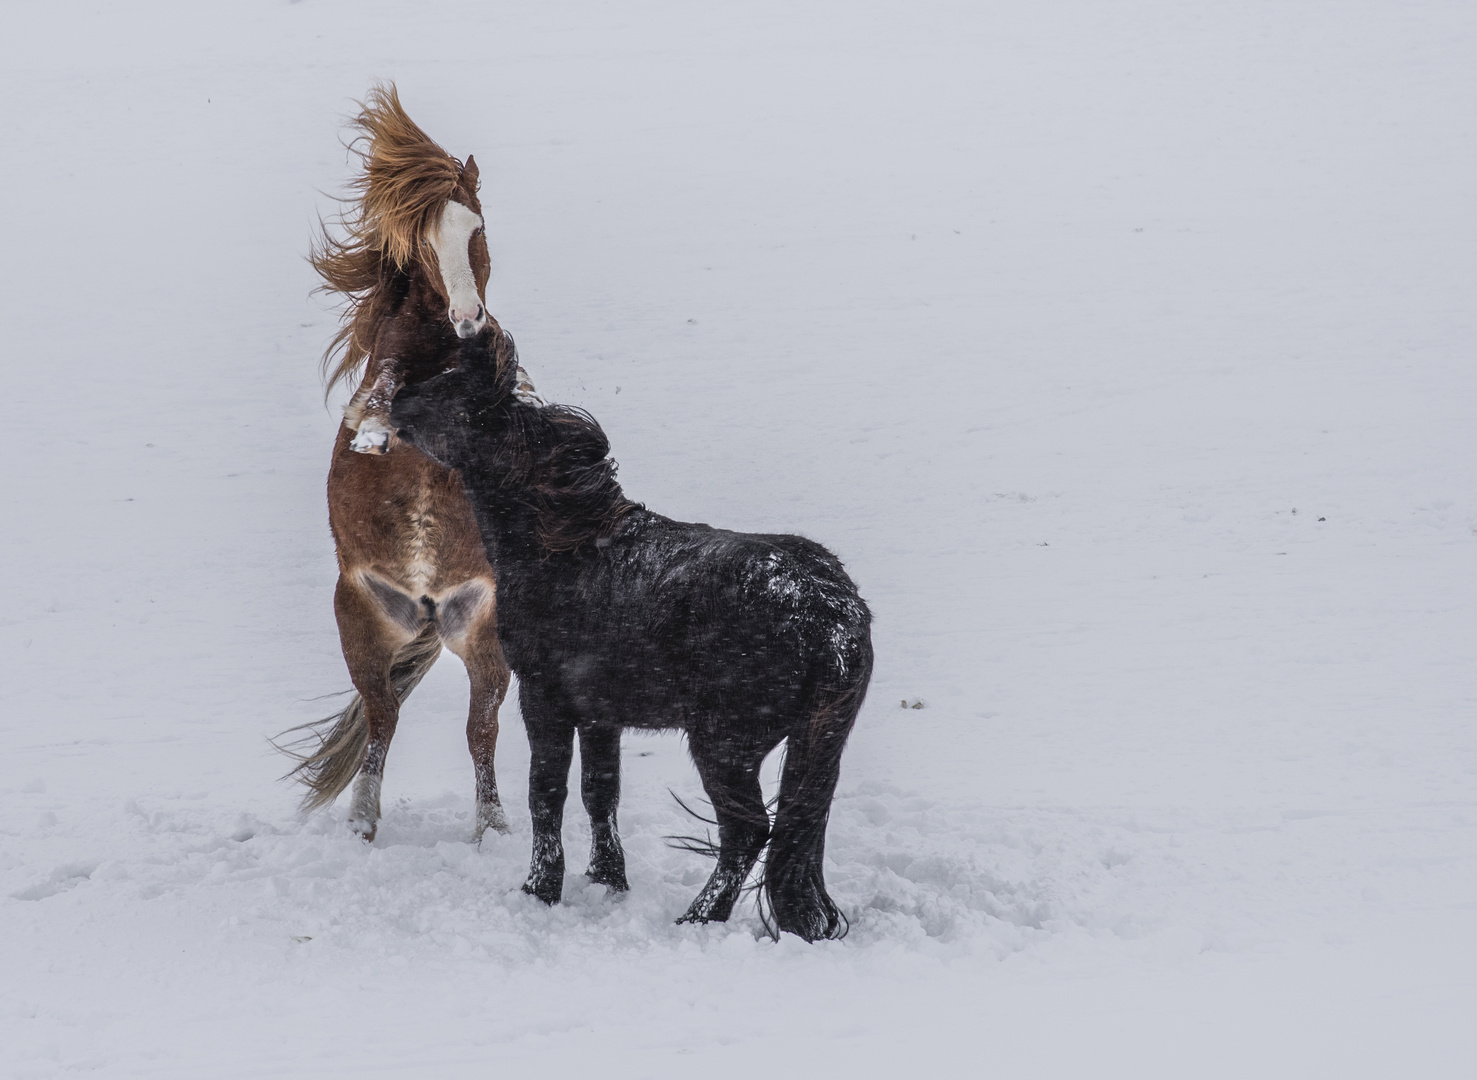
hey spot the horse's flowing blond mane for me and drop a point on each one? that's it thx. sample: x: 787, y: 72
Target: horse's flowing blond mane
x: 404, y: 181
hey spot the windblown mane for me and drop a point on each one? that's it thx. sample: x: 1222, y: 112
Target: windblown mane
x: 560, y: 456
x: 405, y: 179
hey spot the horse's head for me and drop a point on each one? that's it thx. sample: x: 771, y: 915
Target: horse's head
x: 458, y: 240
x: 443, y: 416
x: 416, y: 216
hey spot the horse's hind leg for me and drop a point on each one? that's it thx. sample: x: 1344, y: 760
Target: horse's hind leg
x: 731, y: 779
x: 370, y: 642
x: 472, y: 635
x: 793, y: 876
x: 600, y: 788
x: 489, y: 687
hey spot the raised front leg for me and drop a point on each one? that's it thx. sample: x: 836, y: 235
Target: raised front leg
x: 368, y: 413
x: 731, y: 778
x: 551, y: 745
x: 600, y: 787
x: 370, y: 642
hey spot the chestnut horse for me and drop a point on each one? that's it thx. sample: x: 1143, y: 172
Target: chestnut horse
x: 411, y: 263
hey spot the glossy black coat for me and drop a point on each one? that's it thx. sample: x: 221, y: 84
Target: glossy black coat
x: 613, y: 616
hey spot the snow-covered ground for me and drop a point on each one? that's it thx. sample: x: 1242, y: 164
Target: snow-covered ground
x: 1123, y: 351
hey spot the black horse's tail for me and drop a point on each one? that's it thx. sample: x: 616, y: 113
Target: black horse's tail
x: 331, y: 751
x: 794, y: 883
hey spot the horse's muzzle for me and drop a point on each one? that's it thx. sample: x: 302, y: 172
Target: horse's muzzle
x: 468, y: 325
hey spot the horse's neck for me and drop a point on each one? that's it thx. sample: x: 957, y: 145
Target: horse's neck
x: 506, y: 516
x: 502, y: 493
x: 527, y: 505
x: 415, y: 333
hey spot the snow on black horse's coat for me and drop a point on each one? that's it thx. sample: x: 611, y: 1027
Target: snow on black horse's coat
x: 614, y: 617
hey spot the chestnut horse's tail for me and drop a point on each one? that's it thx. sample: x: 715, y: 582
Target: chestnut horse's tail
x: 793, y: 882
x: 336, y: 744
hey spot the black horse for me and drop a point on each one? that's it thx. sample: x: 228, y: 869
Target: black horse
x: 614, y: 617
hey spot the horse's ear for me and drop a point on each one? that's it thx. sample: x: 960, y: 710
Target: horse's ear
x: 469, y: 172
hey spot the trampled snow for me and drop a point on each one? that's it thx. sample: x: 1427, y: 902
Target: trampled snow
x: 1122, y: 352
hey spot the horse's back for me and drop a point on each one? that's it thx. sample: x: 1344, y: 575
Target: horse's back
x: 767, y: 581
x: 674, y: 624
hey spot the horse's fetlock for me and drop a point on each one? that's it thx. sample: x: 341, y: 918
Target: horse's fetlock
x: 608, y: 865
x: 546, y: 873
x: 364, y: 809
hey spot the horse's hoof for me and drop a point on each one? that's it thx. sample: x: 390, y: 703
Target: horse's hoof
x: 548, y: 892
x: 608, y: 867
x: 703, y: 910
x: 818, y: 924
x: 365, y: 829
x: 613, y: 882
x: 490, y: 817
x: 371, y: 439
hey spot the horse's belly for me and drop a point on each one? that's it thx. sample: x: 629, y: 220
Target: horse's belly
x: 405, y: 518
x: 642, y: 684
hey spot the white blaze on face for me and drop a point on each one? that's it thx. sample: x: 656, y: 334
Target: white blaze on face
x: 452, y: 237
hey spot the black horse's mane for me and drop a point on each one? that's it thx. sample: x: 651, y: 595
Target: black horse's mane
x: 560, y: 458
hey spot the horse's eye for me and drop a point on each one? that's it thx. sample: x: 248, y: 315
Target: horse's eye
x: 480, y: 230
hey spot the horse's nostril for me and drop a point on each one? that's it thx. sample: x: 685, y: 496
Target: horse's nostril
x: 479, y: 312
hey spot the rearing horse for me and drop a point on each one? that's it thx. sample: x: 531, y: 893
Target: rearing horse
x: 411, y: 263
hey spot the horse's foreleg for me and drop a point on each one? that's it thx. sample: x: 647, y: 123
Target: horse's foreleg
x: 370, y: 643
x: 551, y: 746
x: 600, y: 788
x: 368, y: 412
